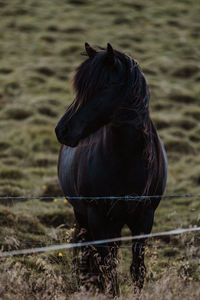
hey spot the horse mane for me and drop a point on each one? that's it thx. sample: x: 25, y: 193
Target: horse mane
x: 91, y: 78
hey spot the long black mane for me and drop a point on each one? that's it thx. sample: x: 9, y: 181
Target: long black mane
x: 92, y: 76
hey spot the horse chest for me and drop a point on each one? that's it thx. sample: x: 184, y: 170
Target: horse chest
x: 94, y: 171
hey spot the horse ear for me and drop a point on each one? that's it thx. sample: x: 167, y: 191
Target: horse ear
x: 110, y: 54
x: 89, y: 50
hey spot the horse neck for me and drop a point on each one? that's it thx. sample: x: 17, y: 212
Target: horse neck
x: 131, y: 124
x: 133, y: 140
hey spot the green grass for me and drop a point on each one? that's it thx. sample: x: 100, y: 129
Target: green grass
x: 40, y: 47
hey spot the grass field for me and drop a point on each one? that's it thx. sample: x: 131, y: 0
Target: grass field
x: 40, y: 47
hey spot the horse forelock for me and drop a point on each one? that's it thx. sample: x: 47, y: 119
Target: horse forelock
x: 89, y: 79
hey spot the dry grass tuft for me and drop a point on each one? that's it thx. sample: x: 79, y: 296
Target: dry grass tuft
x: 17, y: 279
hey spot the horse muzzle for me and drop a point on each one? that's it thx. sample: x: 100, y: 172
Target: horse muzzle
x: 65, y: 138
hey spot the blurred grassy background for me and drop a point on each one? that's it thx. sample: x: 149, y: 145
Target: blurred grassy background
x: 40, y: 47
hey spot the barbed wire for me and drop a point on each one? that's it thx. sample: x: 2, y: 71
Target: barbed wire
x: 97, y: 242
x: 127, y: 197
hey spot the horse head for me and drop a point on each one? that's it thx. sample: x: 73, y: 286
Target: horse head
x: 101, y: 83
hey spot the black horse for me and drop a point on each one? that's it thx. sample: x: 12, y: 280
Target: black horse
x: 110, y: 148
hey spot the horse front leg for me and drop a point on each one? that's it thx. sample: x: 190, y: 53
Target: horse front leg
x: 140, y: 225
x: 109, y: 269
x: 102, y: 228
x: 137, y: 268
x: 82, y: 262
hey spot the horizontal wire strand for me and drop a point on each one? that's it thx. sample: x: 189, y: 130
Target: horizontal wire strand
x: 128, y: 197
x: 98, y: 242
